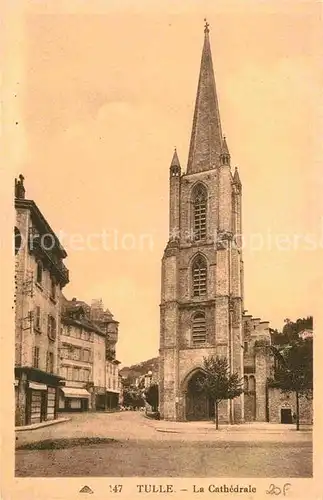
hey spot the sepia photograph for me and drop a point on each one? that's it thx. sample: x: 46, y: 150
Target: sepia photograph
x: 163, y: 186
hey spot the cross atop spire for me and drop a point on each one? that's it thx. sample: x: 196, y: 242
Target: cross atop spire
x: 206, y: 138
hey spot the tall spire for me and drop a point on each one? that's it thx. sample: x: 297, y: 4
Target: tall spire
x: 206, y: 138
x: 175, y: 160
x: 236, y: 178
x: 175, y: 166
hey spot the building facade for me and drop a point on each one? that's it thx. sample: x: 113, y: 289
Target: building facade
x: 104, y: 319
x: 263, y: 402
x: 202, y: 268
x: 40, y: 276
x: 92, y: 381
x: 113, y: 384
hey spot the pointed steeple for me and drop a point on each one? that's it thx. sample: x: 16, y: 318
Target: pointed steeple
x: 206, y: 138
x: 225, y: 148
x: 225, y: 155
x: 175, y: 160
x: 236, y: 178
x: 175, y: 166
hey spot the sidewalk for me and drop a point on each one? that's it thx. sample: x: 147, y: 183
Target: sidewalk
x: 246, y: 428
x: 31, y: 427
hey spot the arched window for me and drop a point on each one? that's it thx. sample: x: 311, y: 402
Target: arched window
x: 199, y: 328
x: 199, y: 276
x: 199, y: 212
x: 245, y: 384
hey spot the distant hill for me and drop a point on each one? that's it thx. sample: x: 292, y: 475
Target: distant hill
x: 135, y: 371
x: 291, y: 330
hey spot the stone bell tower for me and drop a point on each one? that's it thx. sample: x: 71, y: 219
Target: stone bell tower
x: 202, y: 269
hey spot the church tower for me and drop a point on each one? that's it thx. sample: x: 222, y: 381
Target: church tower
x: 202, y: 270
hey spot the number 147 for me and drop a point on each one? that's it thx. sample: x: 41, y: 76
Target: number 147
x: 115, y: 488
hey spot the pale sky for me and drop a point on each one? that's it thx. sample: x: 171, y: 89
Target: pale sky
x: 107, y: 89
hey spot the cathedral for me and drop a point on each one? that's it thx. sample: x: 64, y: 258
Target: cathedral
x: 202, y: 303
x: 201, y: 310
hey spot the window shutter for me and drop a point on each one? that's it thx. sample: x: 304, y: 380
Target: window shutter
x: 199, y: 212
x: 199, y: 329
x: 199, y: 276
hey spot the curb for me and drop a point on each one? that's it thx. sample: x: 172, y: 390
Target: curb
x: 32, y: 427
x: 173, y: 431
x: 223, y: 431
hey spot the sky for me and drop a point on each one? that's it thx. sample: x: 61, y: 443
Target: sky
x: 105, y: 92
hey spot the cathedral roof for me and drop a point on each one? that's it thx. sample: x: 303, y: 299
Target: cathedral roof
x: 206, y: 138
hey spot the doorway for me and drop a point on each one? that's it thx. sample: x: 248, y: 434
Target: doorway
x: 198, y: 405
x: 286, y: 416
x: 43, y: 406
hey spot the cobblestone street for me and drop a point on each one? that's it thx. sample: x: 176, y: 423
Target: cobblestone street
x: 152, y: 448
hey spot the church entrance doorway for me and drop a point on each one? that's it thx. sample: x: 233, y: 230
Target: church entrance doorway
x: 198, y: 405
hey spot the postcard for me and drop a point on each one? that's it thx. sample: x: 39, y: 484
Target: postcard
x: 164, y: 280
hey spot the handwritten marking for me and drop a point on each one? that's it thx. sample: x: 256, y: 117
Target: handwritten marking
x: 276, y: 490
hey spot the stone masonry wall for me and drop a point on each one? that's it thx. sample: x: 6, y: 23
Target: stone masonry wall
x: 278, y: 400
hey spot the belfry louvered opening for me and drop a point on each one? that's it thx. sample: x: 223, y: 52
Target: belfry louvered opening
x: 199, y: 271
x: 199, y: 212
x: 199, y: 329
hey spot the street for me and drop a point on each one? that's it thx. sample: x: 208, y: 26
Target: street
x: 147, y: 448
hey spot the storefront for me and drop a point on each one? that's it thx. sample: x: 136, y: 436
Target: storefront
x: 36, y: 396
x: 74, y: 399
x: 112, y: 399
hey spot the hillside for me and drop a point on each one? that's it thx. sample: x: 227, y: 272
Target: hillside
x: 135, y: 371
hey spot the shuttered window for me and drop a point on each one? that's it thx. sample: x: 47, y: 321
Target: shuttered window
x: 37, y: 323
x: 199, y: 270
x: 51, y: 327
x: 36, y: 357
x: 50, y: 362
x: 199, y: 212
x: 199, y: 329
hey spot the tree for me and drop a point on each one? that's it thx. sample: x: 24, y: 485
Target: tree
x: 132, y: 395
x: 151, y: 395
x: 290, y: 331
x: 295, y: 371
x: 218, y: 383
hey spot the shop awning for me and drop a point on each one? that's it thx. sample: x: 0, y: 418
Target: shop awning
x: 75, y: 392
x: 37, y: 387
